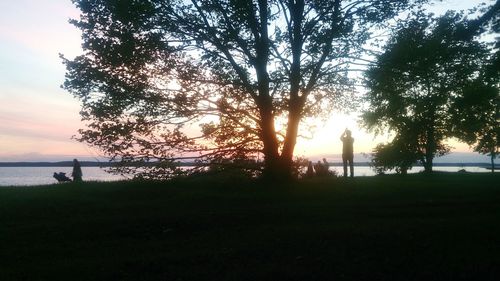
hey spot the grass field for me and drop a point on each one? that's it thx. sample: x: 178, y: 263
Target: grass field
x: 418, y: 227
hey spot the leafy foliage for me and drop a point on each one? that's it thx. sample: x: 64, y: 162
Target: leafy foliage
x: 415, y: 83
x: 476, y: 116
x: 399, y: 155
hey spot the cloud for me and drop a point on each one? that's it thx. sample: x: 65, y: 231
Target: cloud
x: 18, y: 145
x: 40, y: 157
x: 42, y: 123
x: 37, y: 126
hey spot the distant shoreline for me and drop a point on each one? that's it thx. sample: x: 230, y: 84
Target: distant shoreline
x: 55, y: 164
x: 191, y: 164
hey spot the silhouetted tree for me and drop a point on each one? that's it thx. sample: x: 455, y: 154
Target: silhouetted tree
x: 400, y: 154
x: 476, y: 117
x: 414, y: 83
x: 476, y: 113
x: 151, y: 69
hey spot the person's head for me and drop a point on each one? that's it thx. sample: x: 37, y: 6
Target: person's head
x: 348, y: 132
x: 75, y: 161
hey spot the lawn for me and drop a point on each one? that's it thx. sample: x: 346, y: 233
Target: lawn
x: 419, y: 227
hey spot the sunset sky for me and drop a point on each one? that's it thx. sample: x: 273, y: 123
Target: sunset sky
x: 38, y: 118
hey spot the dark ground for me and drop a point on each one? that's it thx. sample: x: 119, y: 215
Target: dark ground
x: 418, y: 227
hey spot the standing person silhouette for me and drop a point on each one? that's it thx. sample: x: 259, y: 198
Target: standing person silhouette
x: 347, y: 151
x: 77, y: 171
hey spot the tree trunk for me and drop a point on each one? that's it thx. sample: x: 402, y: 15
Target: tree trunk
x: 295, y: 103
x: 428, y: 164
x: 430, y: 149
x: 279, y: 167
x: 292, y: 132
x: 404, y: 171
x: 271, y: 147
x: 273, y: 168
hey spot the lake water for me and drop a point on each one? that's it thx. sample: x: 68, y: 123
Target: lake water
x: 19, y: 176
x: 364, y: 171
x: 23, y: 176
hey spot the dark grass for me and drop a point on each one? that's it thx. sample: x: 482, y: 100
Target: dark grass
x: 418, y: 227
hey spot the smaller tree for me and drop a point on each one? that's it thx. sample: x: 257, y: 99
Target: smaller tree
x: 414, y: 83
x: 476, y: 117
x: 490, y: 144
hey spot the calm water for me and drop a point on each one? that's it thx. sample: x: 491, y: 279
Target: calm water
x: 20, y: 176
x: 364, y: 171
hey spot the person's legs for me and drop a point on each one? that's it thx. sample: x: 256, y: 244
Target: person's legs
x: 344, y: 161
x: 351, y: 167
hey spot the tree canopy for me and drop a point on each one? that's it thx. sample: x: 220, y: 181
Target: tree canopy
x: 246, y: 72
x: 415, y: 84
x: 476, y: 116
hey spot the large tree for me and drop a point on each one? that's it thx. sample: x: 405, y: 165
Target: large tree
x: 413, y: 85
x: 248, y: 71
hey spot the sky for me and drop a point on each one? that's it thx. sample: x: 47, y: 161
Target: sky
x: 38, y: 118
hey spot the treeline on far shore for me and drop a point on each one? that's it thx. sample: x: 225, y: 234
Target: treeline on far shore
x: 192, y: 164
